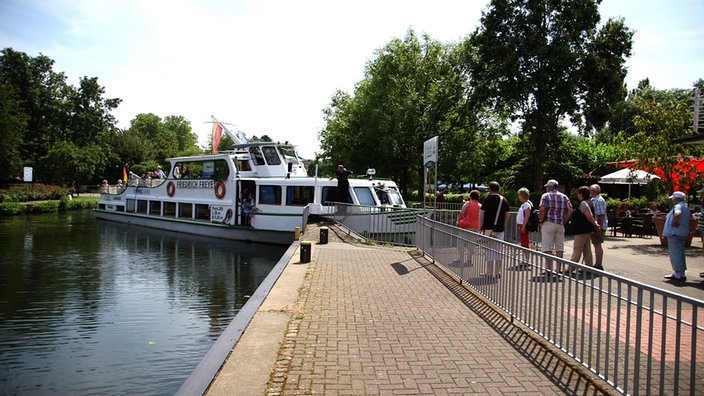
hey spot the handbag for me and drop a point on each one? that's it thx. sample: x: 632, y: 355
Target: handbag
x: 493, y: 233
x: 569, y: 230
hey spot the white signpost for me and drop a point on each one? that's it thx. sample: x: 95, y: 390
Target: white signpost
x: 28, y: 174
x: 430, y: 160
x: 27, y: 179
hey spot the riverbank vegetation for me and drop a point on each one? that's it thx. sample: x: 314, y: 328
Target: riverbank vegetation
x: 39, y: 198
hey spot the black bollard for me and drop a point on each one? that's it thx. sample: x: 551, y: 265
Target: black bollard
x: 305, y: 251
x: 323, y: 235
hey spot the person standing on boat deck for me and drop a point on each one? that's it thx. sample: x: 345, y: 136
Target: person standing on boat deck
x: 494, y: 215
x: 343, y: 184
x: 159, y: 172
x: 676, y: 230
x: 133, y: 179
x: 247, y: 208
x: 177, y: 172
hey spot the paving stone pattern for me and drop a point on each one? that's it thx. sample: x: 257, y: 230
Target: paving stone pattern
x: 382, y: 321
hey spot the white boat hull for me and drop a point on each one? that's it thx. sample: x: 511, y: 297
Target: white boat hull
x: 203, y: 228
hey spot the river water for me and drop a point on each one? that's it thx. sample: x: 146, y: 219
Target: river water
x: 93, y: 307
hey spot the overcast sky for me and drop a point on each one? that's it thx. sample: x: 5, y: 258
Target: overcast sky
x: 271, y: 67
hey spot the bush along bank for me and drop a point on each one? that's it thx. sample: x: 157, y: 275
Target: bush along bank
x: 63, y: 204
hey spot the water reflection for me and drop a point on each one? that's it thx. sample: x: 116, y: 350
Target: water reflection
x: 96, y: 307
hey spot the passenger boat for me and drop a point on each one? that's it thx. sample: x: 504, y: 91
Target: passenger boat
x: 207, y: 195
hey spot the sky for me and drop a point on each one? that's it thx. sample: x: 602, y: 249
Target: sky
x: 271, y: 67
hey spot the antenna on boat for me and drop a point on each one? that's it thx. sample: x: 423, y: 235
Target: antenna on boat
x: 238, y: 137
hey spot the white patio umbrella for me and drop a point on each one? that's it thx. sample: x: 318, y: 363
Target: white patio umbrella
x: 628, y: 176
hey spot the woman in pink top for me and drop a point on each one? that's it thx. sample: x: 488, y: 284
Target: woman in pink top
x: 469, y: 215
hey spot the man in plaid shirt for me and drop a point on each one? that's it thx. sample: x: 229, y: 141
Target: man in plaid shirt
x: 555, y: 210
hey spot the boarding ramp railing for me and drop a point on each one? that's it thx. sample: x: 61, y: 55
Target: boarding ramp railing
x: 638, y: 338
x: 396, y: 225
x: 392, y: 225
x: 304, y: 221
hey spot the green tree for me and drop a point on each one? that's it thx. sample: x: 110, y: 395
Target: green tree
x: 53, y: 112
x: 89, y: 119
x: 13, y: 123
x: 40, y: 92
x: 186, y: 139
x: 72, y: 164
x: 544, y: 61
x: 413, y: 90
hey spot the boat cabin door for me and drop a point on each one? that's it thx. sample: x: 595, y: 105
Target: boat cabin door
x: 246, y: 202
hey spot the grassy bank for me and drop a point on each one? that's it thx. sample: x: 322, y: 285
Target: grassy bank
x: 48, y: 206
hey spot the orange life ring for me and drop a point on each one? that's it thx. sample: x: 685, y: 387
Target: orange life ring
x: 171, y: 188
x: 220, y: 189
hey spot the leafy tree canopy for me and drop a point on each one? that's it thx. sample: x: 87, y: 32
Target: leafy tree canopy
x: 413, y: 89
x: 544, y: 61
x: 40, y: 112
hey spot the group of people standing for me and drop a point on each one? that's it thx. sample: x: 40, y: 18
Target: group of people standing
x: 589, y: 223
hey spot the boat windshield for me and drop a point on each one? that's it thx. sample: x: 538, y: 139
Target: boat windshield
x: 390, y: 196
x: 365, y: 196
x: 289, y: 154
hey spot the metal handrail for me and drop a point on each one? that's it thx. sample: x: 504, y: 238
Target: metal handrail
x: 638, y: 338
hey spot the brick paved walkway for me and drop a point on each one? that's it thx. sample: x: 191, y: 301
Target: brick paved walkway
x: 373, y: 320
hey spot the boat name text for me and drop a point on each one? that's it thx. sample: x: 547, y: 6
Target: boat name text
x: 195, y: 184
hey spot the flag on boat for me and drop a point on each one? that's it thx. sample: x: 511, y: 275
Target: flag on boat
x: 217, y: 135
x: 124, y: 174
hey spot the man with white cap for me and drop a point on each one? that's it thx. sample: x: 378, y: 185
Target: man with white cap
x: 555, y: 210
x: 676, y: 230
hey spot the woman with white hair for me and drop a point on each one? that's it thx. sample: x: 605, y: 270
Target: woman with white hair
x: 676, y: 230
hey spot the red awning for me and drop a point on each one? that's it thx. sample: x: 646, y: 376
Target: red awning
x: 691, y: 168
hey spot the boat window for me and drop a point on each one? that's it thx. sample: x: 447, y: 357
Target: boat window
x: 170, y: 209
x: 272, y: 157
x: 270, y: 195
x: 190, y: 170
x: 185, y: 210
x: 256, y: 156
x: 394, y: 196
x: 212, y: 169
x: 142, y: 206
x: 365, y: 196
x: 202, y: 212
x: 208, y: 170
x: 299, y: 195
x: 222, y: 171
x: 155, y: 208
x: 289, y: 154
x: 328, y: 196
x: 243, y: 165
